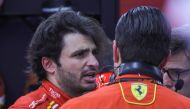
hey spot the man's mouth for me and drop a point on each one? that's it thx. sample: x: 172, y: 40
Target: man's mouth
x: 90, y: 76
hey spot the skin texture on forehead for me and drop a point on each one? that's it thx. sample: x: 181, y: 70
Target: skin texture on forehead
x: 178, y: 60
x: 72, y: 39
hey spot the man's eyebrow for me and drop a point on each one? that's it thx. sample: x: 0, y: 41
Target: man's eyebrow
x: 80, y: 51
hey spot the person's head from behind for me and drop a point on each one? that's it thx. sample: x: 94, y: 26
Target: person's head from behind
x: 177, y: 68
x: 142, y: 35
x: 63, y: 51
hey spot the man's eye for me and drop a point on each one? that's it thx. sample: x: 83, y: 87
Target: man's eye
x: 81, y: 54
x: 175, y: 70
x: 95, y: 51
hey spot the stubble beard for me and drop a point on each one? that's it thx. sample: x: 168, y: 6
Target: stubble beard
x: 71, y: 85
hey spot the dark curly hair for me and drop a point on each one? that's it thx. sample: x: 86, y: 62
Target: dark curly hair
x: 48, y: 38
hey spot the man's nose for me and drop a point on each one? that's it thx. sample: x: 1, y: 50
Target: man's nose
x: 93, y: 61
x: 167, y: 81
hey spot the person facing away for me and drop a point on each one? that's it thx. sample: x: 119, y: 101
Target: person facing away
x: 141, y: 47
x: 177, y: 69
x: 63, y: 53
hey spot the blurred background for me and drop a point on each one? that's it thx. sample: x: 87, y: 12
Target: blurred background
x: 19, y: 19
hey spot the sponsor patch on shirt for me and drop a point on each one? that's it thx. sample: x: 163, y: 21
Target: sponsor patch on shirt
x: 34, y: 103
x: 54, y: 94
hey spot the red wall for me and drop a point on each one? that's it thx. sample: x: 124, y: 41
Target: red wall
x: 125, y: 5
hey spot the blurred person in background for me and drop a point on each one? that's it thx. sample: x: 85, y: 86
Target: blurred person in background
x: 177, y: 68
x: 63, y: 54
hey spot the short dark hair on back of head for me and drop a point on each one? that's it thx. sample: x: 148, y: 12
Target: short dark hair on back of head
x: 143, y: 35
x: 48, y: 38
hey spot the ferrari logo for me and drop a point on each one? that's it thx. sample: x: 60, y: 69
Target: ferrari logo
x: 139, y: 90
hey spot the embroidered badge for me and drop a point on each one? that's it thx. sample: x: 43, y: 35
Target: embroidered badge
x: 139, y: 90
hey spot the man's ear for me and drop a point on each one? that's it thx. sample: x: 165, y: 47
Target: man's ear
x: 164, y: 61
x: 48, y: 64
x: 115, y: 52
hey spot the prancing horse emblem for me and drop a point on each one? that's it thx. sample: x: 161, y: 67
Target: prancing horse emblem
x: 139, y: 90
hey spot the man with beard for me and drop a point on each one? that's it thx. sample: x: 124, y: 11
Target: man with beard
x: 63, y: 53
